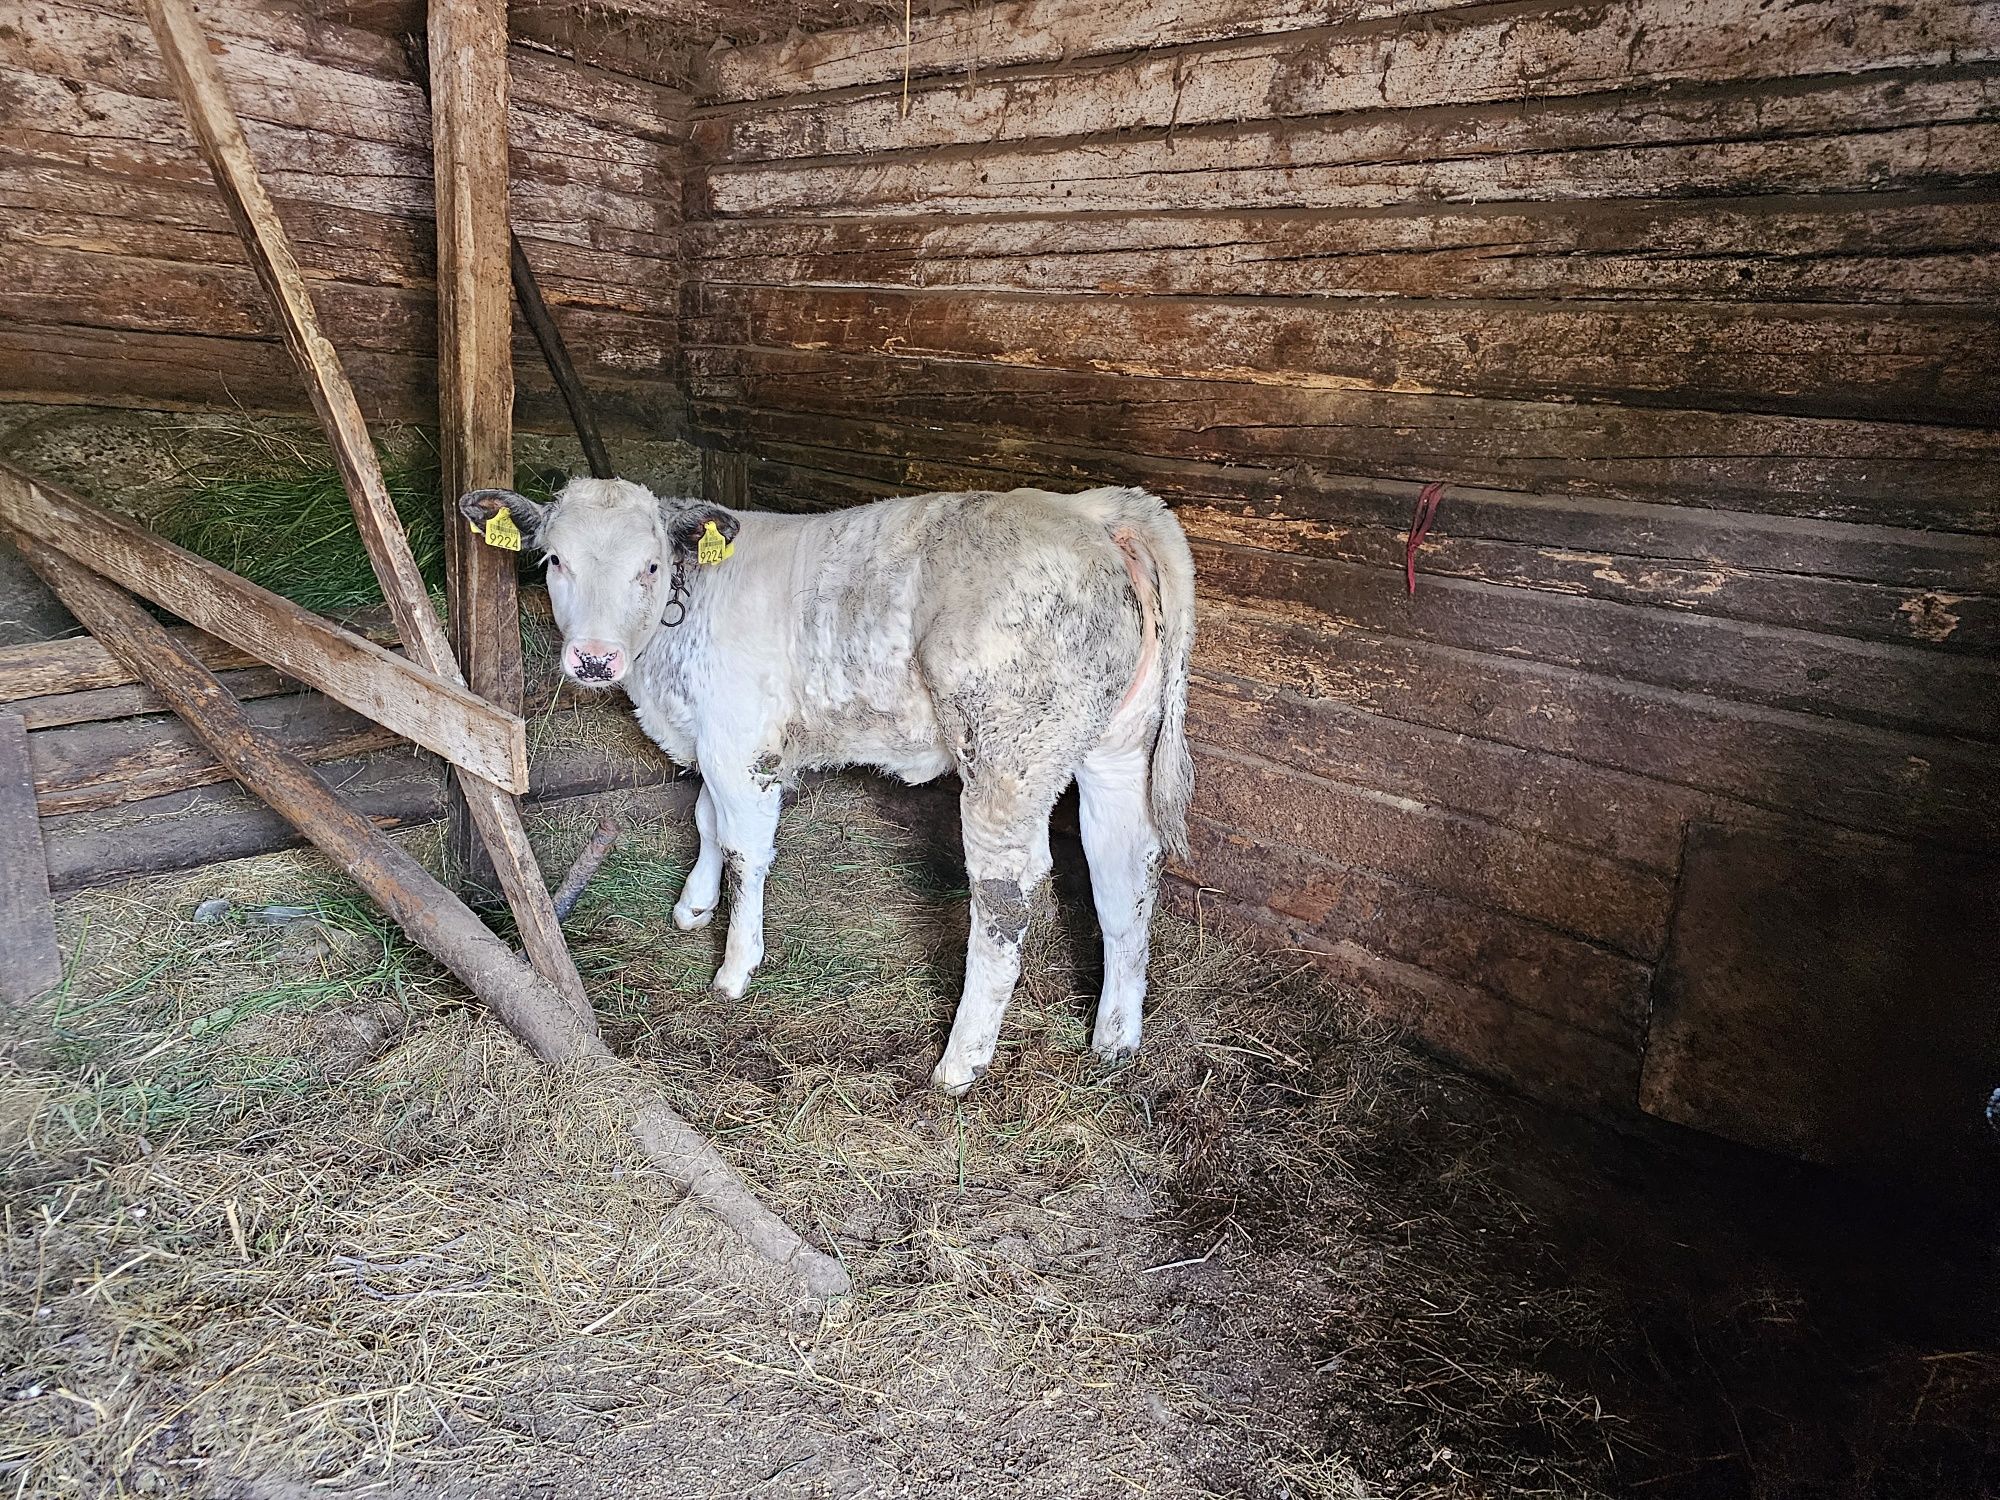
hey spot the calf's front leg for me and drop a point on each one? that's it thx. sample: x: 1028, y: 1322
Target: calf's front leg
x: 703, y: 887
x: 746, y: 823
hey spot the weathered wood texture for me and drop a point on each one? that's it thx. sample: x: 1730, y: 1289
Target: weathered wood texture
x: 1688, y: 303
x: 468, y: 92
x: 125, y: 283
x: 30, y: 960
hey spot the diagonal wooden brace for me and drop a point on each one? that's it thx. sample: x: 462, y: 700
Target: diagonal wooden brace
x: 219, y: 136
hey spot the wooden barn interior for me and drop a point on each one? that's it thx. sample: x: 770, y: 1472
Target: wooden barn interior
x: 1583, y: 414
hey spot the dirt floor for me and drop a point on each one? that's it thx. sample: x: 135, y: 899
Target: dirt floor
x: 284, y: 1217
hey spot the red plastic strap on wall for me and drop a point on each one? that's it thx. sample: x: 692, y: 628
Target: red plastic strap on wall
x: 1420, y: 527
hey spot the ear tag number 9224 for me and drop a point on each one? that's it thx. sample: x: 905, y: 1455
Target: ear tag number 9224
x: 712, y: 548
x: 502, y: 532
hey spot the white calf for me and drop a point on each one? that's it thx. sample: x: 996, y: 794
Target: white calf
x: 1022, y: 639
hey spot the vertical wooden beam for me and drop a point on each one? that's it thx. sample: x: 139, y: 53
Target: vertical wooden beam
x: 468, y: 72
x: 30, y: 961
x: 219, y: 136
x: 725, y: 478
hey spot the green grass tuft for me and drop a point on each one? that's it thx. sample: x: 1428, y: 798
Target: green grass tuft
x: 292, y: 531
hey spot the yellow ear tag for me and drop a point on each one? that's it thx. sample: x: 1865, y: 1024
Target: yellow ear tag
x: 502, y: 532
x: 712, y: 548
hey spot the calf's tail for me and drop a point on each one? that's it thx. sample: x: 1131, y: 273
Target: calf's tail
x: 1153, y: 528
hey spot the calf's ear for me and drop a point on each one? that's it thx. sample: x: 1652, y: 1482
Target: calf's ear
x: 688, y: 522
x: 481, y: 506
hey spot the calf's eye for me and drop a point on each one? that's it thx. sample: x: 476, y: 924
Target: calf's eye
x: 652, y: 567
x: 554, y: 561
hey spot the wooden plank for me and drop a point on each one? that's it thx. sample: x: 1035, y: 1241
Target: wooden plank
x: 27, y: 920
x: 1881, y: 473
x: 1851, y: 776
x: 1866, y: 682
x: 101, y: 705
x: 1013, y: 32
x: 182, y: 372
x: 439, y: 714
x: 1837, y: 248
x: 222, y: 143
x: 468, y: 89
x: 1465, y: 55
x: 1469, y: 1025
x: 1811, y: 359
x: 1834, y: 1003
x: 85, y: 767
x: 63, y: 123
x: 1888, y: 132
x: 392, y: 788
x: 1599, y: 900
x: 1315, y: 511
x: 1465, y: 942
x: 1613, y: 814
x: 109, y: 291
x: 53, y: 209
x: 43, y: 668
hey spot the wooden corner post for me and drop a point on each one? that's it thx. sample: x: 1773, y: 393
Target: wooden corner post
x: 218, y: 134
x: 468, y: 88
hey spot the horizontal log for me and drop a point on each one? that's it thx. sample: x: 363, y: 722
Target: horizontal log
x: 87, y: 767
x: 1945, y: 613
x: 975, y: 41
x: 1313, y: 511
x: 1464, y: 1023
x: 1811, y: 359
x: 1851, y: 776
x: 1464, y: 55
x: 1876, y: 132
x: 1599, y: 900
x: 394, y: 788
x: 179, y: 372
x: 442, y: 716
x: 109, y: 291
x: 1882, y: 473
x: 290, y: 68
x: 1617, y: 816
x: 87, y: 128
x: 40, y: 668
x: 1868, y: 682
x: 1526, y: 964
x: 100, y: 705
x: 63, y: 209
x: 1838, y: 248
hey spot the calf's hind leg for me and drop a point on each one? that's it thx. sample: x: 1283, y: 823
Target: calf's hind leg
x: 1114, y: 806
x: 1006, y: 860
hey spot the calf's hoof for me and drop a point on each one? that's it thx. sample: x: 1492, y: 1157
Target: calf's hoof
x: 688, y: 918
x: 1115, y: 1049
x: 953, y: 1078
x: 731, y: 983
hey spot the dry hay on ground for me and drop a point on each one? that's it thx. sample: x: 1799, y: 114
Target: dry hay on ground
x: 283, y: 1217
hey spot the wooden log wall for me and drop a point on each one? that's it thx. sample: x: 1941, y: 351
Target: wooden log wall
x: 122, y: 281
x: 1691, y: 304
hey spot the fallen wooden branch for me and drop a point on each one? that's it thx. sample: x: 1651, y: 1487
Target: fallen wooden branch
x: 433, y: 917
x: 218, y: 134
x: 593, y: 855
x: 433, y: 709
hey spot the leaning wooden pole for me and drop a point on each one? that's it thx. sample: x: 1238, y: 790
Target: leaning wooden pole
x: 219, y: 135
x: 435, y: 919
x: 468, y: 69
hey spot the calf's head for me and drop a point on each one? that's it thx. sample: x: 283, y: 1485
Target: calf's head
x: 613, y: 550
